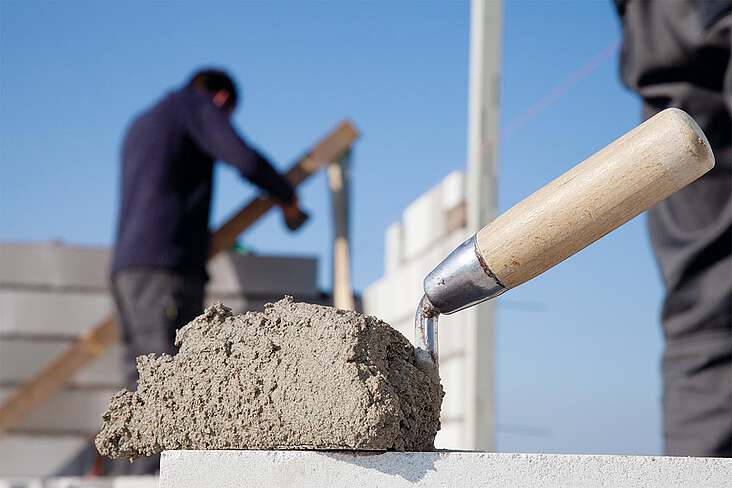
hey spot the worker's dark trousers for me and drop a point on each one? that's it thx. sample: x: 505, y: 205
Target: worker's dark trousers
x: 151, y: 306
x: 677, y: 54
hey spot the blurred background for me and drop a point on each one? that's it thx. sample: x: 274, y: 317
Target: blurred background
x: 576, y: 352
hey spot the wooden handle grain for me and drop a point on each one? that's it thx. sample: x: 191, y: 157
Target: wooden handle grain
x: 612, y: 186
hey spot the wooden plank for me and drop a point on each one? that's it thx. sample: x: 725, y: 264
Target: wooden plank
x: 92, y: 344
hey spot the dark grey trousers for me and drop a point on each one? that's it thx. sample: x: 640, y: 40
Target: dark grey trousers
x: 677, y: 54
x: 151, y: 306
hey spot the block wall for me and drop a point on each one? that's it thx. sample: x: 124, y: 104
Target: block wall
x: 52, y: 293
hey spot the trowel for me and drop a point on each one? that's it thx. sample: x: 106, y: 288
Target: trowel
x: 633, y: 173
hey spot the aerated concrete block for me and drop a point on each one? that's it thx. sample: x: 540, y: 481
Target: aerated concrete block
x: 52, y: 264
x: 50, y: 313
x: 22, y: 359
x: 392, y: 248
x: 453, y: 190
x: 280, y: 469
x: 423, y: 223
x: 452, y: 376
x: 81, y: 482
x: 21, y: 482
x: 23, y: 455
x: 103, y: 482
x: 381, y: 298
x: 453, y: 332
x: 136, y: 482
x: 72, y: 410
x: 262, y: 275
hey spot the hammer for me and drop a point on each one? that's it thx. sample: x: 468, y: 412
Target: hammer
x: 630, y: 175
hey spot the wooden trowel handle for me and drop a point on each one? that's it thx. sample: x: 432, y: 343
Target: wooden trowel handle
x: 612, y: 186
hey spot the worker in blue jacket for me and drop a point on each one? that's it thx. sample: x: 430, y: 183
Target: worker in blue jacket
x: 160, y: 253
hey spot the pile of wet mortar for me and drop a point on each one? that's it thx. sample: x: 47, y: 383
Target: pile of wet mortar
x: 296, y: 376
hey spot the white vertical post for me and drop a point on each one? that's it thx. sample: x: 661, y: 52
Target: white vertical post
x: 339, y: 182
x: 485, y: 59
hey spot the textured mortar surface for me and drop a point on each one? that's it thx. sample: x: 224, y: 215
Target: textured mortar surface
x: 297, y: 376
x: 280, y: 469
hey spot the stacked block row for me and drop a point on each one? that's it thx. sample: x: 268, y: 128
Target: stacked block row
x: 52, y: 293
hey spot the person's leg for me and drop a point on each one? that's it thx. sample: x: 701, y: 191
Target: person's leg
x: 151, y: 306
x: 144, y: 299
x: 186, y: 303
x: 676, y: 54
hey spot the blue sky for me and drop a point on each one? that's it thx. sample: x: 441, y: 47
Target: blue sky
x: 578, y: 349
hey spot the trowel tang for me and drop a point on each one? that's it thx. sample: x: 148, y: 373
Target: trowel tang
x: 633, y: 173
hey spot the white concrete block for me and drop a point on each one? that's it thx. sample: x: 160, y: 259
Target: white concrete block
x: 394, y: 298
x: 384, y: 299
x: 423, y: 223
x: 451, y: 435
x: 31, y: 312
x: 453, y: 190
x: 22, y: 359
x: 79, y: 482
x: 72, y: 410
x: 310, y: 469
x: 452, y: 329
x: 456, y: 217
x: 136, y: 482
x: 53, y: 264
x: 21, y: 482
x: 392, y: 247
x: 106, y: 482
x: 452, y: 375
x: 253, y: 274
x: 37, y: 455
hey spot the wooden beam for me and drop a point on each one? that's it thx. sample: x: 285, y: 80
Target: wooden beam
x: 95, y: 342
x: 339, y: 182
x: 328, y: 149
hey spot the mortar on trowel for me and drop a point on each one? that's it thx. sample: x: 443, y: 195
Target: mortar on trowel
x: 638, y: 170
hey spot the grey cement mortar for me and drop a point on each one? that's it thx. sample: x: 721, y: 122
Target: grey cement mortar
x: 297, y: 376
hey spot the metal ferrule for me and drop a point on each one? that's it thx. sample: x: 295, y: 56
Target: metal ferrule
x: 461, y: 280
